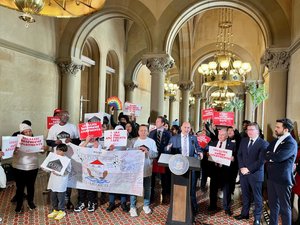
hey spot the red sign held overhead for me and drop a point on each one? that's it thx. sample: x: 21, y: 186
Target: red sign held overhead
x: 92, y: 129
x: 207, y: 114
x: 203, y: 140
x: 223, y: 118
x: 51, y: 120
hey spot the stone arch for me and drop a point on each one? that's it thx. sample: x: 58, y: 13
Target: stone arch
x: 112, y: 74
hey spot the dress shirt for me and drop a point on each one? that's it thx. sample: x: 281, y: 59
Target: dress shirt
x: 280, y: 140
x: 187, y: 145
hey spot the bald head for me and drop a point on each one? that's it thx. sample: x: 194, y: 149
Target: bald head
x: 185, y: 128
x: 222, y: 135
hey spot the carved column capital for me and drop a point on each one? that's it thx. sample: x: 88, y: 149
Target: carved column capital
x: 130, y: 86
x: 172, y: 99
x: 158, y: 63
x: 67, y: 67
x: 186, y: 85
x: 197, y: 95
x: 276, y: 59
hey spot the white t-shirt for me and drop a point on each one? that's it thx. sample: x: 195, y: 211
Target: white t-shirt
x: 150, y: 143
x: 59, y: 183
x: 58, y: 132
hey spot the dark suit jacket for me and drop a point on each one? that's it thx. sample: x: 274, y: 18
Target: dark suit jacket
x: 176, y: 145
x: 281, y: 169
x: 166, y: 135
x: 254, y: 160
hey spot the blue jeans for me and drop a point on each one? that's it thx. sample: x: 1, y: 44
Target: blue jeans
x: 113, y: 196
x: 147, y: 193
x: 58, y: 200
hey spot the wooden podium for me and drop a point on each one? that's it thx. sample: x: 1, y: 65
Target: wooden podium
x: 180, y: 211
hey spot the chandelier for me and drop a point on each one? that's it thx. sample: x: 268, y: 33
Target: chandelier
x: 170, y: 88
x: 221, y: 97
x: 226, y: 69
x: 55, y: 8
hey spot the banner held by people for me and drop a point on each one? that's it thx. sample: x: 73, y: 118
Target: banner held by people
x: 30, y: 144
x: 220, y: 155
x: 8, y: 146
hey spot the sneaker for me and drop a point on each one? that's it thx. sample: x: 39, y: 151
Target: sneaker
x: 91, y: 207
x: 60, y: 215
x: 147, y: 209
x: 31, y: 206
x: 133, y: 212
x: 53, y: 214
x: 79, y: 207
x: 110, y: 207
x: 124, y: 207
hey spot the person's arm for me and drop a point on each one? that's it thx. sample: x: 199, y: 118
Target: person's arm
x: 258, y: 163
x: 284, y: 152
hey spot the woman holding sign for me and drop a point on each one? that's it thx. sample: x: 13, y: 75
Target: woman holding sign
x: 26, y: 166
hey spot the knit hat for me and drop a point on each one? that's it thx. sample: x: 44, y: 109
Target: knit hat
x: 24, y: 126
x: 119, y: 127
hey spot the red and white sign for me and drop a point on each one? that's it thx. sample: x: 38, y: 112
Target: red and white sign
x: 51, y: 120
x: 223, y: 118
x: 220, y: 155
x: 203, y: 140
x: 30, y: 144
x: 92, y: 129
x: 130, y: 108
x: 207, y: 114
x: 8, y: 146
x: 115, y: 137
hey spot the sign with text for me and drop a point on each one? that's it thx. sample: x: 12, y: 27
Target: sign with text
x: 203, y: 140
x: 115, y: 137
x: 220, y: 155
x: 51, y: 120
x: 30, y: 144
x: 93, y: 117
x: 8, y: 146
x: 130, y: 108
x: 56, y: 163
x: 223, y: 118
x: 106, y: 171
x: 92, y: 129
x: 207, y: 114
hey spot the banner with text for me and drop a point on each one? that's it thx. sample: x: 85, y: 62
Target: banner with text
x: 220, y: 155
x: 203, y: 140
x: 56, y: 163
x: 92, y: 129
x: 223, y: 118
x: 130, y: 108
x: 207, y: 114
x: 51, y: 120
x: 115, y: 137
x: 30, y: 144
x: 118, y: 172
x: 8, y: 146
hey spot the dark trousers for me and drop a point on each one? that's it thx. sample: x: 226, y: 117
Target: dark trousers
x: 112, y: 198
x: 214, y: 186
x: 58, y: 200
x: 226, y: 196
x: 68, y: 195
x: 248, y: 187
x: 85, y: 196
x: 165, y: 179
x: 279, y: 202
x: 25, y: 178
x: 195, y: 176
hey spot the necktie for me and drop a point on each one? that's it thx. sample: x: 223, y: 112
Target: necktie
x: 220, y: 146
x: 185, y: 151
x: 158, y: 139
x: 250, y: 145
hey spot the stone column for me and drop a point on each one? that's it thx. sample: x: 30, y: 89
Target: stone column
x: 158, y: 64
x: 277, y: 62
x: 167, y: 106
x: 202, y: 106
x: 172, y: 100
x: 129, y: 91
x: 249, y: 108
x: 197, y: 111
x: 185, y: 87
x: 70, y: 88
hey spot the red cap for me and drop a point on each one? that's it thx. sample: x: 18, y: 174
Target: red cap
x: 56, y: 111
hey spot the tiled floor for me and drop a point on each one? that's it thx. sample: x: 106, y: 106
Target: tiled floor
x: 100, y: 216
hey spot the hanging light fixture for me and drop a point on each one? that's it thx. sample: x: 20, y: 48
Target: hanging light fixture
x: 170, y: 88
x: 225, y: 69
x: 55, y: 8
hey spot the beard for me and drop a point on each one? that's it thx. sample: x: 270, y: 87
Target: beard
x: 279, y: 134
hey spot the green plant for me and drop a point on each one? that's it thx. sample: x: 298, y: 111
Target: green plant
x: 236, y: 103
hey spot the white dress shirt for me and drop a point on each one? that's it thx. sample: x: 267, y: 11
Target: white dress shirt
x: 184, y: 151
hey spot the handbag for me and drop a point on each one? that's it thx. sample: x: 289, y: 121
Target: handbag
x: 2, y: 178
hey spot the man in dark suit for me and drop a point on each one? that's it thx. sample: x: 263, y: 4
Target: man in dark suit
x: 187, y: 145
x: 251, y: 166
x: 221, y: 175
x: 161, y: 136
x: 280, y: 158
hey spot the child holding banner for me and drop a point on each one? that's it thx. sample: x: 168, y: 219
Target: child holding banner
x: 58, y: 186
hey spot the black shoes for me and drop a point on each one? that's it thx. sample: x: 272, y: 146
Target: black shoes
x: 110, y: 207
x: 19, y: 208
x: 125, y: 207
x: 69, y: 205
x: 31, y: 205
x: 228, y: 212
x: 241, y: 217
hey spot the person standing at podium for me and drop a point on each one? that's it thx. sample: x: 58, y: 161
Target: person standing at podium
x: 187, y: 145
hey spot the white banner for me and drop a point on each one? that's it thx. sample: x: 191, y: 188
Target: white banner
x: 30, y: 144
x: 115, y: 137
x: 8, y: 146
x: 220, y: 155
x: 56, y: 163
x: 130, y: 108
x: 118, y: 172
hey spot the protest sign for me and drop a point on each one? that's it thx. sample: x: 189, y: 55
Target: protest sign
x: 115, y: 137
x: 130, y: 108
x: 220, y: 155
x: 223, y: 118
x: 93, y: 117
x: 56, y: 163
x: 30, y: 144
x: 207, y: 114
x: 8, y: 146
x: 92, y: 129
x: 51, y: 120
x: 203, y: 140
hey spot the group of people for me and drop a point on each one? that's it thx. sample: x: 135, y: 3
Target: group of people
x: 251, y: 155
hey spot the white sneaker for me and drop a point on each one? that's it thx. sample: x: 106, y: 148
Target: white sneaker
x: 0, y: 220
x: 133, y: 212
x: 147, y: 209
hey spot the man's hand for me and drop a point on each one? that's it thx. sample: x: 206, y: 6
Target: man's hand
x: 111, y: 147
x: 143, y: 149
x: 68, y: 140
x: 169, y: 146
x: 200, y: 155
x: 245, y: 171
x: 58, y: 142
